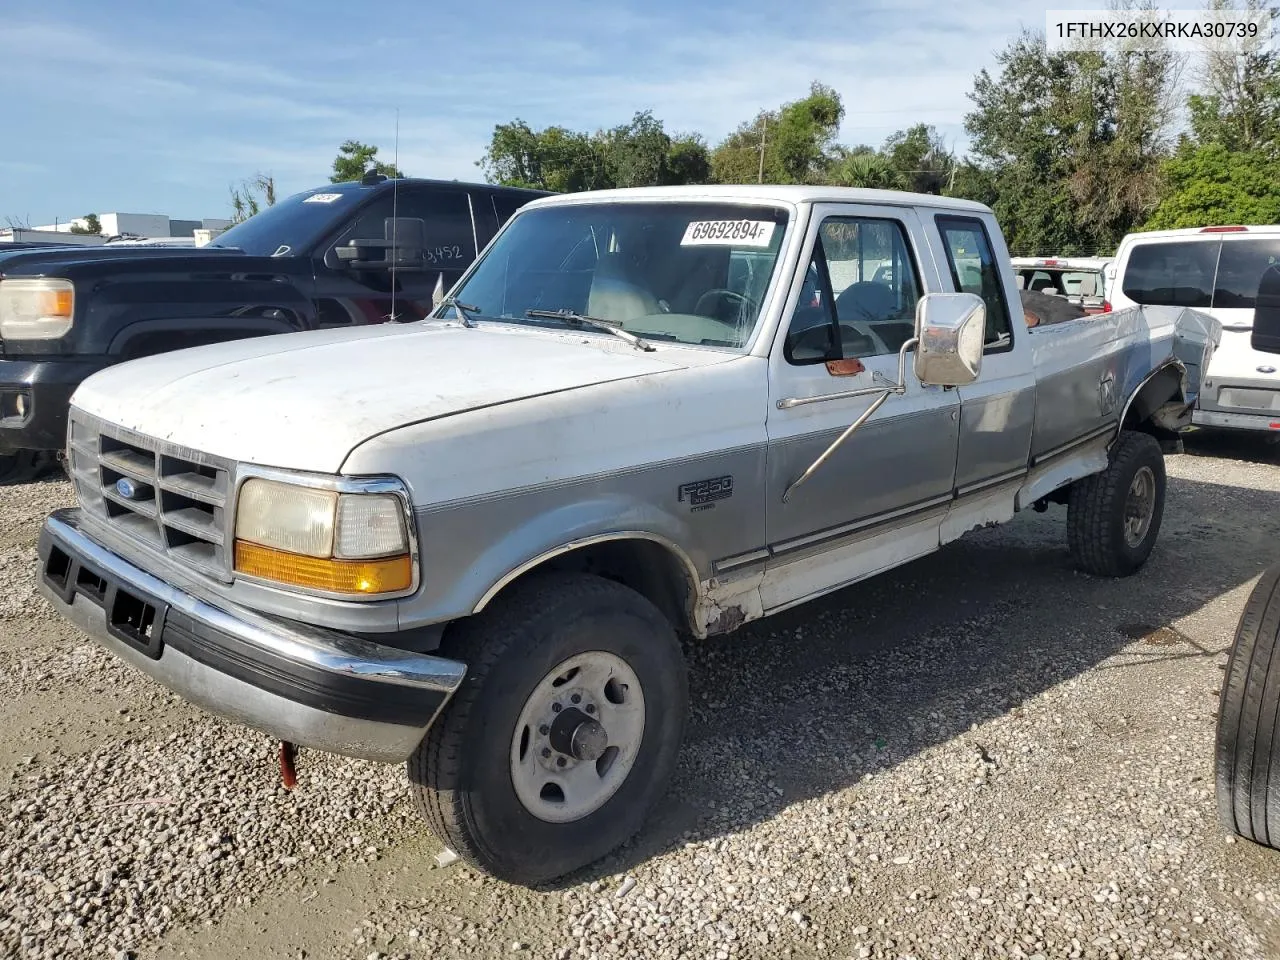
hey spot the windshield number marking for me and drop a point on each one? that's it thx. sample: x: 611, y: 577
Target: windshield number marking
x: 323, y: 198
x: 444, y: 254
x: 737, y: 233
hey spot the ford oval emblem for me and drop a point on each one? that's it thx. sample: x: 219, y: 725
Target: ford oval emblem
x: 126, y: 488
x: 1266, y: 369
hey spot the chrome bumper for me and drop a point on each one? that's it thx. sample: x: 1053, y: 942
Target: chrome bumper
x: 1236, y: 421
x: 304, y: 684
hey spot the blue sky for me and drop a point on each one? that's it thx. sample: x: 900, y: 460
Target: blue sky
x: 158, y: 107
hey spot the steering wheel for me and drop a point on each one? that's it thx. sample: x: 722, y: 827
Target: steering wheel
x: 743, y: 299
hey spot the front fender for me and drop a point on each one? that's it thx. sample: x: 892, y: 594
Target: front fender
x: 488, y: 546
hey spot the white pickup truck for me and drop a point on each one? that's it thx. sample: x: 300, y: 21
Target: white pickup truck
x: 470, y: 542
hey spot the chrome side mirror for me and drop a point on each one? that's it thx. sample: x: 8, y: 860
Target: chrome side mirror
x: 950, y: 328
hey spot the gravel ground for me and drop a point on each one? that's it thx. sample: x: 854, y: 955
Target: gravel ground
x: 985, y: 754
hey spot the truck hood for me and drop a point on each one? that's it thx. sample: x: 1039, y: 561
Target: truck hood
x: 303, y: 401
x: 43, y: 261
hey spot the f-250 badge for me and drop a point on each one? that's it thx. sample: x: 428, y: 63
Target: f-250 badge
x: 703, y: 494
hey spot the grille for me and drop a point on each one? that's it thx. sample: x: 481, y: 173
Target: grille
x: 167, y: 497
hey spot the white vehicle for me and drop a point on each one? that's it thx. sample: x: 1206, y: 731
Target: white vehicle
x: 1080, y: 280
x: 1214, y: 270
x: 469, y: 542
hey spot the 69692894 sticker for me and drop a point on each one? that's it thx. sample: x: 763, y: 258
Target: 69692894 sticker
x: 736, y: 233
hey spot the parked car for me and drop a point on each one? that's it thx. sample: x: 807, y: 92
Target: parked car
x: 469, y: 543
x: 1214, y: 270
x: 345, y: 254
x: 1079, y: 280
x: 1247, y: 747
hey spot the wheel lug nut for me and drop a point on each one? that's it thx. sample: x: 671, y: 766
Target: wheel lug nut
x: 576, y: 698
x: 591, y: 708
x: 556, y: 708
x: 546, y: 752
x: 544, y: 730
x: 560, y: 761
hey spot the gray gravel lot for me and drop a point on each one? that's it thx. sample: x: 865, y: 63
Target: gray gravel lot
x: 984, y: 754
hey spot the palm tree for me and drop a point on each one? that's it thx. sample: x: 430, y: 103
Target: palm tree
x: 868, y: 170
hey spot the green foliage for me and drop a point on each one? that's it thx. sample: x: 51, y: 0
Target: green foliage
x: 868, y: 169
x: 1070, y: 144
x: 635, y: 154
x: 921, y: 157
x: 355, y: 158
x: 1211, y: 184
x: 798, y: 142
x: 92, y: 226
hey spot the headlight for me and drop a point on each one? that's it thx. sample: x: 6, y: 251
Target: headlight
x: 342, y: 543
x: 36, y: 308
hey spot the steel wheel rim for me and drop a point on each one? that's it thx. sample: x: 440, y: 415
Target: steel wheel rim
x: 1139, y: 506
x: 559, y: 785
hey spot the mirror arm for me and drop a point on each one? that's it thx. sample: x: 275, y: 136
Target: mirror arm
x: 885, y: 393
x: 884, y: 382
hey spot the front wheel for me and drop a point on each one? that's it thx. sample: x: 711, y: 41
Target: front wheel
x: 563, y: 734
x: 1113, y: 517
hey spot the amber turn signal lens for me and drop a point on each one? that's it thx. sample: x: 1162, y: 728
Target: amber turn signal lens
x: 360, y: 577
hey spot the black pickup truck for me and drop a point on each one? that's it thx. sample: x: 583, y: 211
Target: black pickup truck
x: 360, y: 252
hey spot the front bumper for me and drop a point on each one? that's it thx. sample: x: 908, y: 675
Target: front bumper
x: 307, y: 685
x: 35, y: 396
x: 1236, y: 421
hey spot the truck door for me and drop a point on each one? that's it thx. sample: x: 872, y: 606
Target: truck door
x: 997, y: 409
x: 865, y: 269
x: 346, y: 296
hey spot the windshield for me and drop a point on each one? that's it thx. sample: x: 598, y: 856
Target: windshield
x: 292, y: 226
x: 693, y: 273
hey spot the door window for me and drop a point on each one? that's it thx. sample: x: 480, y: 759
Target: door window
x: 973, y: 270
x: 859, y: 294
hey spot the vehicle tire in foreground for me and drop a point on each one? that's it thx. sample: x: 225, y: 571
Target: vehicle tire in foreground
x: 1113, y: 517
x: 564, y: 732
x: 1247, y: 767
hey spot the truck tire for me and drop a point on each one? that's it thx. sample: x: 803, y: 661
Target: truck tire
x: 21, y: 466
x: 1113, y: 517
x: 1247, y: 763
x: 563, y: 734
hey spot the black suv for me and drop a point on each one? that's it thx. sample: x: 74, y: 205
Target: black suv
x: 361, y: 252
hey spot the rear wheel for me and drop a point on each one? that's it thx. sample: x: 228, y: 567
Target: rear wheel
x: 1113, y: 517
x: 563, y: 734
x: 1247, y: 767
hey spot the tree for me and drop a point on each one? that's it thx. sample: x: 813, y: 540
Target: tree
x: 869, y: 169
x: 1212, y: 184
x: 635, y: 154
x: 1070, y: 144
x: 797, y: 142
x: 90, y: 225
x: 556, y: 159
x: 920, y: 156
x: 1239, y: 102
x: 355, y: 158
x: 251, y: 196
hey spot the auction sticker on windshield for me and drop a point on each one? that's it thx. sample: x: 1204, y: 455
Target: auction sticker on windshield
x: 738, y: 233
x: 323, y: 198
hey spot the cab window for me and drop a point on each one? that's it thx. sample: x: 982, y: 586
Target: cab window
x: 973, y: 270
x: 859, y: 294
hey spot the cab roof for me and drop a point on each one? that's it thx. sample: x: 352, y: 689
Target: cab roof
x: 767, y: 193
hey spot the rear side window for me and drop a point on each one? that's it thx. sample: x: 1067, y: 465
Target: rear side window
x: 973, y: 270
x: 1240, y: 267
x: 1174, y: 274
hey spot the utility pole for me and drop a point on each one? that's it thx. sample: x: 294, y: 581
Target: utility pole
x: 764, y: 125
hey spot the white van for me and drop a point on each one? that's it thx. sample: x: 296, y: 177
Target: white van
x: 1214, y: 270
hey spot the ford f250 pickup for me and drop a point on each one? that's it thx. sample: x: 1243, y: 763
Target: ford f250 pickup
x: 470, y: 542
x: 345, y: 254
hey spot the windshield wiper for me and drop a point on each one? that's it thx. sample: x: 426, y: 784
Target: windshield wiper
x: 568, y: 316
x: 463, y: 310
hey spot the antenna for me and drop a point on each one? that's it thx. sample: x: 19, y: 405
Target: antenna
x: 395, y: 216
